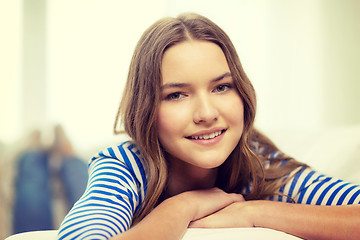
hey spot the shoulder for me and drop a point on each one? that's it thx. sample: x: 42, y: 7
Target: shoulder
x: 269, y: 157
x: 126, y: 154
x: 125, y: 158
x: 119, y: 152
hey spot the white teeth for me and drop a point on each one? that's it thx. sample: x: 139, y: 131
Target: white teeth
x: 207, y: 136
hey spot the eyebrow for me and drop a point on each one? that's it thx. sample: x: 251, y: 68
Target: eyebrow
x: 180, y: 85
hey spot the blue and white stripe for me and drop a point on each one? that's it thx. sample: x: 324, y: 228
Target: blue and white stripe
x: 311, y: 187
x: 117, y: 186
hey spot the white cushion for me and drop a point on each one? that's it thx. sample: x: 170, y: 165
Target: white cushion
x: 191, y: 234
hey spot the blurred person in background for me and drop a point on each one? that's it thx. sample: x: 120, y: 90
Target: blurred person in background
x: 43, y: 176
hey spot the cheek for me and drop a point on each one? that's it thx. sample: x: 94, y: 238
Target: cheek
x: 234, y: 110
x: 162, y: 120
x: 169, y: 121
x: 239, y: 112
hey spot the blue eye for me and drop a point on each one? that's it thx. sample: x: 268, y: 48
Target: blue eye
x: 175, y: 96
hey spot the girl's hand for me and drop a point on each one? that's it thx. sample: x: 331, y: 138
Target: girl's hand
x: 233, y: 216
x: 202, y: 203
x: 175, y: 213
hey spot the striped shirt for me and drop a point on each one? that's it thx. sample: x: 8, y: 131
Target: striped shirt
x: 117, y: 186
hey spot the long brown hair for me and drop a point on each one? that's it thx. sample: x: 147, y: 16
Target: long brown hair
x: 139, y: 107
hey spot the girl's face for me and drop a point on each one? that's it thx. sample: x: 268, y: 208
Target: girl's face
x: 200, y: 119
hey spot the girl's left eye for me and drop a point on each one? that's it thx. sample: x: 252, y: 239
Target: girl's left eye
x: 222, y: 88
x: 175, y: 96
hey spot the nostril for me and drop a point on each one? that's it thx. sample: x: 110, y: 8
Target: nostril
x: 205, y: 117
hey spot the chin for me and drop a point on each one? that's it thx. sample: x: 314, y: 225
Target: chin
x: 210, y: 163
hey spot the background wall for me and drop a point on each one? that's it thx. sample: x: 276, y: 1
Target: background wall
x: 66, y: 61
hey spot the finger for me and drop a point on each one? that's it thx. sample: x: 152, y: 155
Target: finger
x: 201, y: 223
x: 194, y: 224
x: 215, y: 220
x: 237, y: 197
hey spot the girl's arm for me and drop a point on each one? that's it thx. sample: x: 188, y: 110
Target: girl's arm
x: 170, y: 219
x: 311, y: 218
x: 305, y: 221
x: 309, y: 221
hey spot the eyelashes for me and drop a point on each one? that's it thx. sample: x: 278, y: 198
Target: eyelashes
x: 178, y: 95
x: 175, y: 96
x: 223, y: 88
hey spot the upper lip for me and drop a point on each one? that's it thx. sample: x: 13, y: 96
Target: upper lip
x: 206, y: 132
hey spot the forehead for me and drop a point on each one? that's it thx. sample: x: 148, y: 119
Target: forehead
x: 191, y: 60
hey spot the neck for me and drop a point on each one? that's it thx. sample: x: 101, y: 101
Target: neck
x: 186, y: 177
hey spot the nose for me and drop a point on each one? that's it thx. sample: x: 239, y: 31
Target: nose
x: 205, y: 110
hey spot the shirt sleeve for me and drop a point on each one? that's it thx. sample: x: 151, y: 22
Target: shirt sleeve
x: 111, y: 198
x: 307, y: 186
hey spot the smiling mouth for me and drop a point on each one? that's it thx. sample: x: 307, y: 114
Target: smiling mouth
x: 207, y: 136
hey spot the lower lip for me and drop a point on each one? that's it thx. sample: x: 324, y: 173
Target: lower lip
x: 210, y: 141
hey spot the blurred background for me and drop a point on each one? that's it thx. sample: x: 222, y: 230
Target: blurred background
x: 64, y: 62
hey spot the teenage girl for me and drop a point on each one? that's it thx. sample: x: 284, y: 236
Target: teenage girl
x: 195, y: 158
